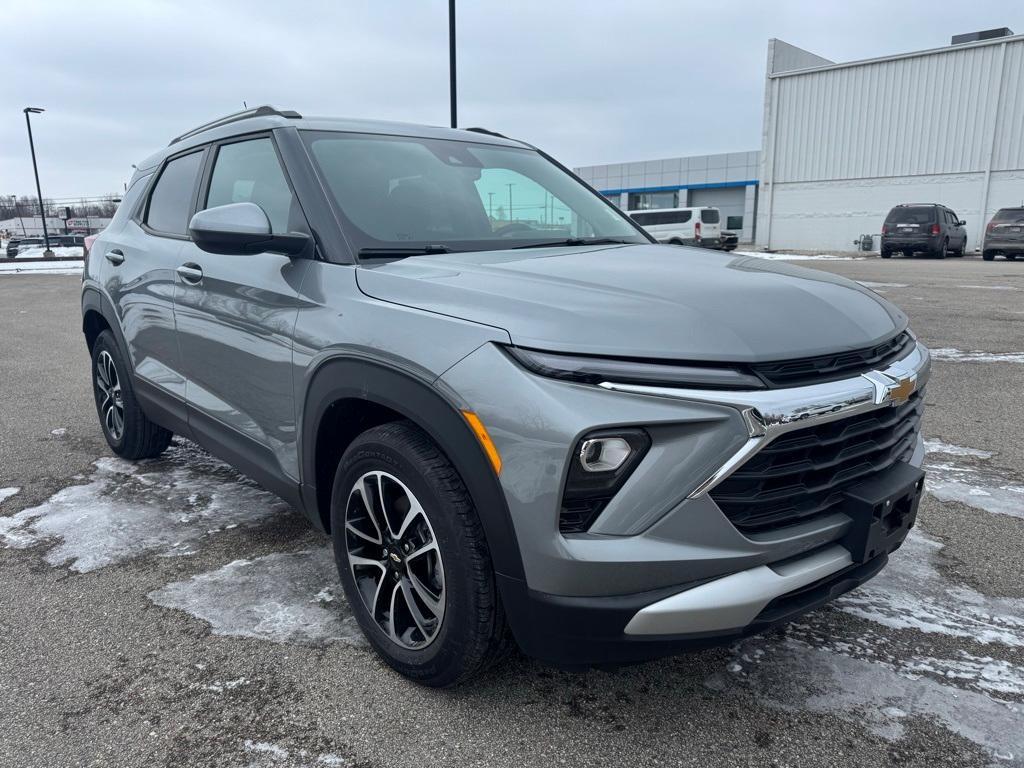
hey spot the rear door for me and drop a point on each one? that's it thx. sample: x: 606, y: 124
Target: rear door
x: 710, y: 224
x: 142, y: 256
x: 235, y: 318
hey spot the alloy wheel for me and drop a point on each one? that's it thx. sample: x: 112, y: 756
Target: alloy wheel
x: 112, y: 403
x: 395, y: 559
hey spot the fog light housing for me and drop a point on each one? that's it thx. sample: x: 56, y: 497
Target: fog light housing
x: 604, y: 454
x: 598, y: 467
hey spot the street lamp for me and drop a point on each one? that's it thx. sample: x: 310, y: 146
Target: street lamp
x: 47, y: 253
x: 451, y: 61
x: 510, y: 185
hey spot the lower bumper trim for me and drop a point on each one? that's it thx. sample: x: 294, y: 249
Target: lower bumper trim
x: 735, y: 600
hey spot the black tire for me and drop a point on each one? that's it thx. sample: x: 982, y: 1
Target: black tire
x: 988, y: 255
x: 1010, y: 256
x: 139, y: 438
x: 472, y: 633
x: 886, y: 254
x: 942, y: 251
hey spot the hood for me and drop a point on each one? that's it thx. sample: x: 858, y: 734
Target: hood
x: 651, y: 301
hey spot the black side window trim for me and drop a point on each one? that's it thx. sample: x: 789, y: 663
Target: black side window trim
x: 143, y: 210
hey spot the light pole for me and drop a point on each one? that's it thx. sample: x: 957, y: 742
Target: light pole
x: 451, y: 61
x: 490, y: 206
x: 47, y: 253
x: 510, y: 185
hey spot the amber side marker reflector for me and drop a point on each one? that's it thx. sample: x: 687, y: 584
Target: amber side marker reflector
x: 485, y: 440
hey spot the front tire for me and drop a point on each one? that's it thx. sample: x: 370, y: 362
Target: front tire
x: 129, y: 433
x: 412, y: 558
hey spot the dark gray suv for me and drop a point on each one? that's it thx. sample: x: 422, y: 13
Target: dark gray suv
x: 517, y: 417
x: 923, y: 228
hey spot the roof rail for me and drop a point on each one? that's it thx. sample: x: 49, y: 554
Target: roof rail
x: 484, y: 130
x: 260, y: 111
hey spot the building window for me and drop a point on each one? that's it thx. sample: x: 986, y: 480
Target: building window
x: 734, y: 222
x: 615, y: 199
x: 642, y: 201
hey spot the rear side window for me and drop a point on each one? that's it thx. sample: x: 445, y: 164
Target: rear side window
x: 249, y: 172
x: 1009, y: 214
x: 171, y: 200
x: 911, y: 215
x: 709, y: 216
x: 650, y: 218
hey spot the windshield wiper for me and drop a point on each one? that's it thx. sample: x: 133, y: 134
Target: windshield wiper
x: 401, y: 253
x: 578, y: 241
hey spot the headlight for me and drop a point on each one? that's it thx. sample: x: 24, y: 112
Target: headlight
x: 594, y: 370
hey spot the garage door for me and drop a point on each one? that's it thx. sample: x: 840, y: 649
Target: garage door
x: 728, y: 200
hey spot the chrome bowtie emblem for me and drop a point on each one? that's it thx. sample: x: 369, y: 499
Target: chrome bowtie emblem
x: 395, y: 558
x: 891, y: 390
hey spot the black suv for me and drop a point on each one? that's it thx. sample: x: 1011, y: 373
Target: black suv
x: 1005, y: 235
x: 923, y: 228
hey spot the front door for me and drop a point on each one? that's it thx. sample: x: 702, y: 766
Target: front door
x: 235, y: 318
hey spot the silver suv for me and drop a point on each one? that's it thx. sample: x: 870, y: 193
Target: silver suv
x: 519, y: 419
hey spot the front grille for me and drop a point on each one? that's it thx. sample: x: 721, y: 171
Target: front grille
x: 812, y: 370
x: 803, y: 474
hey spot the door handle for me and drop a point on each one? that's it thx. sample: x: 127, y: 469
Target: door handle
x: 114, y: 256
x: 190, y: 273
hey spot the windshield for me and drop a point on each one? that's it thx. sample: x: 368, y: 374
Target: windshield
x: 407, y: 193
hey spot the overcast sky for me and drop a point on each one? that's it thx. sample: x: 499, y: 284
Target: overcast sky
x: 588, y: 80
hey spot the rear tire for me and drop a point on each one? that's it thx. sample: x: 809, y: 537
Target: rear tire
x: 886, y: 254
x: 1010, y: 256
x: 129, y: 433
x: 436, y: 616
x: 988, y: 255
x: 942, y: 251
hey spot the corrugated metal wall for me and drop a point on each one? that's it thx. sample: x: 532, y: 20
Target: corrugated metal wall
x: 919, y: 115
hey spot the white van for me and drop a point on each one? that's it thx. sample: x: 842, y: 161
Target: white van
x: 682, y: 226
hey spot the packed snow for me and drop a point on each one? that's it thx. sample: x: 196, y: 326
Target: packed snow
x: 59, y: 252
x: 6, y: 493
x: 283, y: 597
x: 50, y: 267
x: 976, y: 356
x: 777, y: 256
x: 266, y: 754
x: 125, y: 510
x: 937, y: 446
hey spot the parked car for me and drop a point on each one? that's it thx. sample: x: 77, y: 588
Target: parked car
x: 682, y: 226
x: 509, y: 437
x: 728, y: 241
x: 1004, y: 235
x: 14, y: 245
x: 923, y: 228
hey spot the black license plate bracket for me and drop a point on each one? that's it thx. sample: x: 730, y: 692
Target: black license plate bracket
x: 883, y: 510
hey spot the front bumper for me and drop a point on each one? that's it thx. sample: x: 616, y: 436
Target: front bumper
x: 633, y: 586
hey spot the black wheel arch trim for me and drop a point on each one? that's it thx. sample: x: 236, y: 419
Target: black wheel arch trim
x: 95, y: 301
x: 350, y: 377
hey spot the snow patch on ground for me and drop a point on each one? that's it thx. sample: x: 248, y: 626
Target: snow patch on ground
x: 265, y: 754
x: 937, y: 446
x: 991, y: 287
x: 283, y: 597
x: 795, y: 256
x: 165, y: 506
x: 869, y: 284
x: 6, y: 493
x: 792, y: 675
x: 825, y: 664
x: 910, y: 593
x: 16, y: 267
x: 977, y: 356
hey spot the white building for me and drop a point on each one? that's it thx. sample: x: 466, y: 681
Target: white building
x: 843, y: 143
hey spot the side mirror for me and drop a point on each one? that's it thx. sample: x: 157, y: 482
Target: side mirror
x: 961, y: 223
x: 240, y: 229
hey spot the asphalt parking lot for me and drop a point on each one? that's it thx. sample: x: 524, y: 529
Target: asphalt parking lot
x: 171, y: 613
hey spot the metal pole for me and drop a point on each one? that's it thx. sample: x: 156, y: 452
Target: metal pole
x: 510, y: 201
x: 35, y: 169
x: 451, y: 61
x: 490, y: 205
